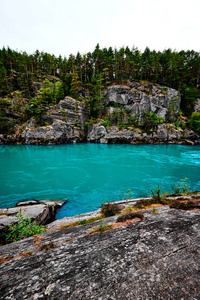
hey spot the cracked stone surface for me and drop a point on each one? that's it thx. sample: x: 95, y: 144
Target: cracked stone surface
x: 157, y: 258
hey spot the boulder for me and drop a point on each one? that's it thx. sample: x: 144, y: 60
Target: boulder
x: 41, y: 212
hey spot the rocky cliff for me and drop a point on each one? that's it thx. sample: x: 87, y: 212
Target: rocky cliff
x: 138, y: 98
x: 157, y: 258
x: 67, y: 121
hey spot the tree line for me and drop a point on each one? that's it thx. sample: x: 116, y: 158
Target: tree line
x: 22, y: 72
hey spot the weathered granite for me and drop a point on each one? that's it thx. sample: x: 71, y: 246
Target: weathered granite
x: 98, y: 133
x: 65, y: 121
x: 157, y: 258
x: 57, y: 133
x: 41, y: 212
x: 138, y: 98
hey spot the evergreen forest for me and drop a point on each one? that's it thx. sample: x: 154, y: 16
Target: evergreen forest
x: 31, y: 82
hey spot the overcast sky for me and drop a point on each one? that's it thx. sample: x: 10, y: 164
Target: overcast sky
x: 68, y: 26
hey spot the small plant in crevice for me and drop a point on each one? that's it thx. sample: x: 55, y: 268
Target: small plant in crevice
x: 128, y: 209
x: 156, y: 193
x: 48, y: 246
x: 101, y: 228
x: 82, y: 222
x: 154, y: 211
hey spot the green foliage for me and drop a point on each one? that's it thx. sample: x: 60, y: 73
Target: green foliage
x: 189, y: 95
x: 51, y: 93
x: 23, y: 229
x: 75, y: 85
x: 150, y: 120
x: 6, y: 124
x: 94, y: 71
x: 106, y: 123
x: 194, y: 121
x: 133, y: 120
x: 156, y: 193
x: 154, y: 211
x: 171, y: 113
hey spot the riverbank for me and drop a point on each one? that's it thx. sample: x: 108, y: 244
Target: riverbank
x: 60, y: 133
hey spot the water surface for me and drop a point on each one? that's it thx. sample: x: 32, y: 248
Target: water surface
x: 87, y: 174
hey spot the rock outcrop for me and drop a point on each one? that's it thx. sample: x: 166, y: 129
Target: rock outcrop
x: 138, y: 98
x: 162, y: 134
x: 65, y: 121
x: 41, y: 212
x: 157, y: 258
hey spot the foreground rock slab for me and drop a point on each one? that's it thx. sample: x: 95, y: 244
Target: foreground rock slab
x: 157, y: 258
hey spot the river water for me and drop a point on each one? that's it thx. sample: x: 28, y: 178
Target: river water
x: 87, y: 175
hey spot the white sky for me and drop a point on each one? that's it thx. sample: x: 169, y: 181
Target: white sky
x: 68, y: 26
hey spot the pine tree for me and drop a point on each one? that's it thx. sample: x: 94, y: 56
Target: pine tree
x: 75, y: 85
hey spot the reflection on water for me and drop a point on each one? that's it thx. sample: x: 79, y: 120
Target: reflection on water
x: 87, y: 175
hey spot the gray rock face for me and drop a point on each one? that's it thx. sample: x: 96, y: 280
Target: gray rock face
x: 71, y: 111
x: 57, y: 133
x: 139, y: 98
x: 41, y: 212
x: 163, y: 134
x: 157, y: 258
x: 66, y: 119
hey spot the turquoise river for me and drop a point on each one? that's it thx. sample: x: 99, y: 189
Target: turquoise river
x: 87, y: 175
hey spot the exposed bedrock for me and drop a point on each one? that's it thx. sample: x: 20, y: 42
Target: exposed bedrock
x: 65, y: 121
x: 157, y: 258
x: 139, y: 98
x: 162, y: 134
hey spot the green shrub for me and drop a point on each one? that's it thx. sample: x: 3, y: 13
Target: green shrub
x: 110, y: 209
x: 194, y: 121
x: 24, y: 228
x: 106, y: 123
